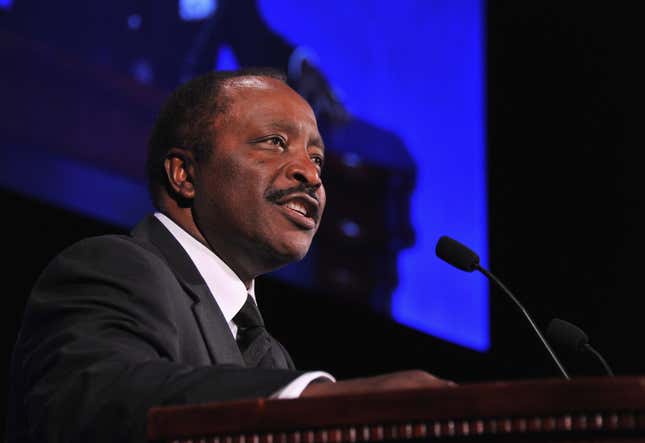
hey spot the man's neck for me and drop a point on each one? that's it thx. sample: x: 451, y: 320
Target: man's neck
x: 184, y: 220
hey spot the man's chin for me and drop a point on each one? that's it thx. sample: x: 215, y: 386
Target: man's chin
x: 287, y: 253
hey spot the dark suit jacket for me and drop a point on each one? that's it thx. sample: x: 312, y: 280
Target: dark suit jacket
x: 115, y: 325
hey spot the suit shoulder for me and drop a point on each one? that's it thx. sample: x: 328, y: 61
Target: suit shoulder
x: 113, y: 246
x: 109, y: 254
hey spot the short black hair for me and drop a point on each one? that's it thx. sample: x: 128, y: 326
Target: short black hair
x: 186, y: 121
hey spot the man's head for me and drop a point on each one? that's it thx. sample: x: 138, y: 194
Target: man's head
x: 235, y: 159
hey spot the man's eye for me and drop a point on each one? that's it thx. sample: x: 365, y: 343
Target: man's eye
x: 278, y: 141
x: 319, y: 161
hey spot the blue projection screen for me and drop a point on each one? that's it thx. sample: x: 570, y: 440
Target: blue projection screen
x: 414, y: 68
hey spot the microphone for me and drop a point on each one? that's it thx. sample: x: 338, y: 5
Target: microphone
x: 456, y: 254
x: 462, y: 257
x: 572, y: 337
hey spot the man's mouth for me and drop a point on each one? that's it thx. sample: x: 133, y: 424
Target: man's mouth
x: 304, y: 209
x: 298, y: 207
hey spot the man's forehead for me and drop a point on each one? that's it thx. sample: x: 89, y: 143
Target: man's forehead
x: 259, y: 93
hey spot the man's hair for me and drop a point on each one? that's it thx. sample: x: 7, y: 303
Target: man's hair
x: 186, y: 121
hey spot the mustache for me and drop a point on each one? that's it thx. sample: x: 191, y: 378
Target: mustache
x: 277, y: 194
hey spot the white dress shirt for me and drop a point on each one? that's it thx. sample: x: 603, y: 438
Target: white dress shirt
x: 230, y: 293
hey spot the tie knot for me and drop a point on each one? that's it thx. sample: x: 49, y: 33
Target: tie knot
x: 249, y: 316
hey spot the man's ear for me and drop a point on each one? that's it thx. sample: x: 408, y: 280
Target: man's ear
x: 179, y: 165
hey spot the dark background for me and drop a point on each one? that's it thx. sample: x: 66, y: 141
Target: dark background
x: 565, y: 208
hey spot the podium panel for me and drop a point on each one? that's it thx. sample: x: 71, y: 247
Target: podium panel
x: 581, y: 410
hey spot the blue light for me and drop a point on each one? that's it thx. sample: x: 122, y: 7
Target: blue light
x: 196, y: 9
x: 142, y: 71
x: 226, y: 60
x: 134, y: 21
x: 350, y: 229
x: 5, y: 4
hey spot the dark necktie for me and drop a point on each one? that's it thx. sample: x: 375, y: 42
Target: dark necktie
x: 252, y: 337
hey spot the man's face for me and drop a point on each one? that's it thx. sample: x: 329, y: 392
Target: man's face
x: 259, y: 196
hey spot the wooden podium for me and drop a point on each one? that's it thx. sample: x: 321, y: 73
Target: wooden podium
x: 586, y: 409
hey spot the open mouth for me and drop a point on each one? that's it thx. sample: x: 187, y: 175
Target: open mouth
x: 302, y: 208
x: 297, y: 206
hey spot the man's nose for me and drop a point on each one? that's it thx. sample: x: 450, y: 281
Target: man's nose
x: 303, y: 170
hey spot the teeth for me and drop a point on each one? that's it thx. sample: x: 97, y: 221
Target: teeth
x: 296, y: 207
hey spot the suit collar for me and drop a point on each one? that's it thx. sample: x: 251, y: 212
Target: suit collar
x: 229, y: 291
x: 213, y: 325
x: 152, y: 231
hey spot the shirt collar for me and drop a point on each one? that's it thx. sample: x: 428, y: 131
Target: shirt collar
x: 229, y: 291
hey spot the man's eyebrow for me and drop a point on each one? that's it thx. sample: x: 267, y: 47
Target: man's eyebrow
x: 283, y: 126
x: 318, y: 141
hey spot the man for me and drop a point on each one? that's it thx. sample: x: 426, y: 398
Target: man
x: 117, y: 324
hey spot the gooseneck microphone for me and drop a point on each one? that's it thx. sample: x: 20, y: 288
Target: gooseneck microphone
x: 572, y: 337
x: 462, y: 257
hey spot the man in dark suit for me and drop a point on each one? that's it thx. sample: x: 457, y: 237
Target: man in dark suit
x: 117, y: 324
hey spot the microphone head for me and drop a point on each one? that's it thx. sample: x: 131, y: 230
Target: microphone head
x: 567, y: 335
x: 456, y: 254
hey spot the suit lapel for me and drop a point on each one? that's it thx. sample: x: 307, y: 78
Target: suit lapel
x: 217, y: 335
